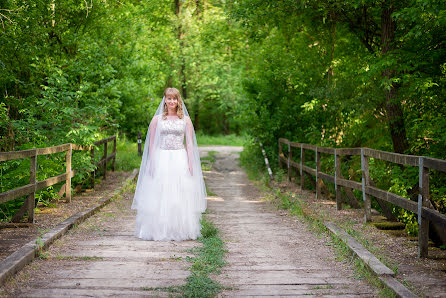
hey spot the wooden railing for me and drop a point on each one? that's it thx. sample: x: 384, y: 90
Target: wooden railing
x: 424, y: 209
x: 34, y: 185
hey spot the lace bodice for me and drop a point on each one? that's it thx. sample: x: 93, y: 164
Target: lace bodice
x: 172, y: 134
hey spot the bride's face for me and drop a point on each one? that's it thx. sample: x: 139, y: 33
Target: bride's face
x: 171, y: 101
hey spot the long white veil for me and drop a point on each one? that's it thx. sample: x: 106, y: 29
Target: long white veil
x: 150, y: 164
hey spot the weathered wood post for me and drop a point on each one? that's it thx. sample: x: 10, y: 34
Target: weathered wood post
x: 105, y: 160
x: 365, y: 184
x: 288, y: 162
x: 140, y: 143
x: 114, y: 154
x: 32, y: 180
x: 423, y: 201
x: 68, y: 171
x: 318, y: 169
x: 93, y: 174
x: 302, y: 162
x: 337, y: 175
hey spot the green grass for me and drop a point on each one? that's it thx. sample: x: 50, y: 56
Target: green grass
x: 227, y: 140
x: 208, y: 260
x: 127, y: 157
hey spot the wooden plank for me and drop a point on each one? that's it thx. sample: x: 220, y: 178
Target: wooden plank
x: 54, y: 149
x: 337, y: 175
x: 16, y: 193
x: 68, y: 175
x: 435, y: 164
x: 318, y: 168
x: 51, y: 181
x: 113, y: 155
x: 101, y: 162
x: 349, y: 183
x: 403, y: 159
x: 392, y: 198
x: 295, y: 145
x: 309, y: 147
x: 327, y: 150
x: 294, y: 164
x: 423, y: 201
x: 19, y: 214
x: 5, y: 156
x: 434, y: 216
x: 283, y: 140
x: 309, y: 170
x: 105, y: 160
x: 348, y: 151
x: 326, y: 177
x: 100, y: 142
x: 365, y: 184
x: 81, y: 147
x: 385, y: 206
x: 32, y: 180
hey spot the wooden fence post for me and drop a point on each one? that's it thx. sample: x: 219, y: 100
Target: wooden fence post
x: 318, y: 169
x: 68, y: 171
x: 139, y: 143
x: 423, y: 201
x: 365, y: 184
x: 302, y: 162
x: 93, y: 175
x: 337, y: 174
x: 114, y: 153
x: 32, y: 180
x: 288, y: 162
x: 105, y: 160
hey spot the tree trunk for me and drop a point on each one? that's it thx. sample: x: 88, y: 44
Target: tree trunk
x: 395, y: 117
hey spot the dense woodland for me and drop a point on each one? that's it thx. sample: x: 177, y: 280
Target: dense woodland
x: 350, y: 73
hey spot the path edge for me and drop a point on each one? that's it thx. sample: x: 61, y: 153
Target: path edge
x: 23, y: 256
x: 385, y: 274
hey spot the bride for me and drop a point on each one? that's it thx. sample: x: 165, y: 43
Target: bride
x: 170, y: 193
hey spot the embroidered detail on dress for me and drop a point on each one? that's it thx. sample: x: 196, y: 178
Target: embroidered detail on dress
x: 172, y: 134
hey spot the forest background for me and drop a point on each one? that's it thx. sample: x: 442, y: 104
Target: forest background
x: 350, y: 73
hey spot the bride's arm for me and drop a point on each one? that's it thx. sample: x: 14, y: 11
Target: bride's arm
x: 153, y: 125
x: 189, y: 143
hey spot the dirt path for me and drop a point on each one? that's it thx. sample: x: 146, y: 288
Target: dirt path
x: 269, y: 254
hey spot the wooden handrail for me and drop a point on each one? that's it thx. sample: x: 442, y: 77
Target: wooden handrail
x: 423, y: 208
x: 34, y: 185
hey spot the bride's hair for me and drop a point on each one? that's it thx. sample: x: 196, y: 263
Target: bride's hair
x: 176, y: 94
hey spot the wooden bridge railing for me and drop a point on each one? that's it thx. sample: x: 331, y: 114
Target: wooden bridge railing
x: 34, y: 185
x: 423, y: 209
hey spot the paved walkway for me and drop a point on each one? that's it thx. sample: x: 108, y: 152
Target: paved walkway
x: 268, y: 254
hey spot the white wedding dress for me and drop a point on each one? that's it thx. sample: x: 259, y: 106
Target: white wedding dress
x: 169, y: 200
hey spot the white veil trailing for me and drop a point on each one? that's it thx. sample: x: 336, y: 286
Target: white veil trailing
x: 150, y: 164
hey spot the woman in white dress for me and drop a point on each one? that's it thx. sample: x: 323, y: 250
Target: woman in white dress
x: 170, y: 193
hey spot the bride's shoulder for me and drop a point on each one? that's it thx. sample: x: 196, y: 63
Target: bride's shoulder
x: 187, y: 120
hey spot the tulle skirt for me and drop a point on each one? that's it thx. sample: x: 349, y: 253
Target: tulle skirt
x: 167, y: 207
